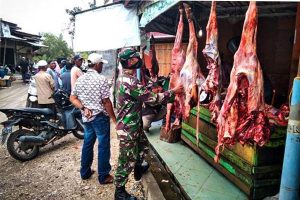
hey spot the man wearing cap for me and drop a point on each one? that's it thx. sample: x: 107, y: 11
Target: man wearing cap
x: 76, y: 71
x: 132, y: 94
x: 63, y: 67
x: 91, y: 94
x: 45, y: 86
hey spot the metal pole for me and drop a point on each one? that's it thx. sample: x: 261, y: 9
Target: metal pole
x: 290, y: 178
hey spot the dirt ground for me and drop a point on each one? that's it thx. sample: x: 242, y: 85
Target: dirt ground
x: 54, y: 174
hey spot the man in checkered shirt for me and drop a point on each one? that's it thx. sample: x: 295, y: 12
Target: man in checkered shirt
x: 91, y: 94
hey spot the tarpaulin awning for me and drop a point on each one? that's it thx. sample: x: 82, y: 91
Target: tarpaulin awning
x: 155, y: 10
x: 106, y: 28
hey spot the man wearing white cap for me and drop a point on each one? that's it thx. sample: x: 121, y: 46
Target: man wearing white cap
x: 45, y: 86
x: 91, y: 94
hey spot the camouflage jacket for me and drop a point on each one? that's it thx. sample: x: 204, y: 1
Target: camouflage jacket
x: 130, y: 98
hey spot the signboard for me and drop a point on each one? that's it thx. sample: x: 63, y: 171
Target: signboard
x: 156, y: 9
x: 5, y: 30
x: 106, y: 28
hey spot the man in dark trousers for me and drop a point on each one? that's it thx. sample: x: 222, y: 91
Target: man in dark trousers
x: 133, y: 143
x: 24, y: 68
x: 91, y: 95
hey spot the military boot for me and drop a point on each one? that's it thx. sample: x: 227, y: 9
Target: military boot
x: 122, y: 194
x: 140, y: 169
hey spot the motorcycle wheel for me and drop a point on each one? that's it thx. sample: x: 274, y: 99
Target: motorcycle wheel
x: 79, y: 132
x: 18, y: 150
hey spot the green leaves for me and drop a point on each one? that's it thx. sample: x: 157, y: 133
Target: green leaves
x: 57, y: 47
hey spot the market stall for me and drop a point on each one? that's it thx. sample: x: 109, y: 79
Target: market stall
x: 247, y: 148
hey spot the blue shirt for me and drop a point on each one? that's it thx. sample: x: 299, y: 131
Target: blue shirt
x: 63, y: 70
x: 66, y: 81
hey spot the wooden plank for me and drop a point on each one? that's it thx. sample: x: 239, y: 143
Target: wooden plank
x: 277, y: 132
x: 230, y: 155
x: 236, y: 159
x: 255, y: 155
x: 296, y: 49
x: 164, y: 57
x: 269, y: 186
x: 266, y: 172
x: 242, y: 185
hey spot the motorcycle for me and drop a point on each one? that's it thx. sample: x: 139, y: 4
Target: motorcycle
x: 32, y: 100
x: 28, y: 129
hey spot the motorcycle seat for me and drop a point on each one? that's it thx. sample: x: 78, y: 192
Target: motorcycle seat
x: 43, y: 111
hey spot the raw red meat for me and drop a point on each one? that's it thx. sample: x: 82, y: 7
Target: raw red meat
x: 242, y: 117
x: 278, y: 117
x: 212, y: 84
x: 178, y: 59
x: 149, y: 55
x: 191, y: 72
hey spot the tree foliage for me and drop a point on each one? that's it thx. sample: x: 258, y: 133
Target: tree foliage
x: 56, y: 47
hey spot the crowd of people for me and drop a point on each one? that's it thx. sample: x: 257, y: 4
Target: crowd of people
x: 51, y: 76
x: 90, y: 92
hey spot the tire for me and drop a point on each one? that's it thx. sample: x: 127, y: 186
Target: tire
x: 79, y: 132
x: 16, y: 152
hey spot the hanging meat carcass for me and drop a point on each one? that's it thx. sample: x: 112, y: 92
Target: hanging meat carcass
x: 242, y: 117
x: 190, y: 73
x: 212, y: 84
x: 178, y: 59
x: 150, y: 61
x: 149, y: 55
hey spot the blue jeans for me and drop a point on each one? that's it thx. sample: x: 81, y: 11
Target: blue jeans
x: 99, y: 129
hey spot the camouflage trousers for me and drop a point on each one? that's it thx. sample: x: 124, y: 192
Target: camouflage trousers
x: 131, y: 150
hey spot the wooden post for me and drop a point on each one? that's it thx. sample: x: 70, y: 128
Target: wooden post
x: 4, y: 54
x: 296, y: 49
x: 15, y: 54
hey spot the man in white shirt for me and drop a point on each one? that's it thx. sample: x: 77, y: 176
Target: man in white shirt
x: 45, y: 86
x: 91, y: 94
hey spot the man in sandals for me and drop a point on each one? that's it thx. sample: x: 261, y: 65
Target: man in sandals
x: 91, y: 94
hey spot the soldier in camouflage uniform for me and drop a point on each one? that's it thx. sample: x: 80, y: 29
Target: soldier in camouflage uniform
x: 133, y: 142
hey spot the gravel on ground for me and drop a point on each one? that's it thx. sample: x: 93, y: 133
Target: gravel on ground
x: 54, y: 174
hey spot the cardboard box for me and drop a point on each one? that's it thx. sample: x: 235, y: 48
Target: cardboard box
x: 5, y: 82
